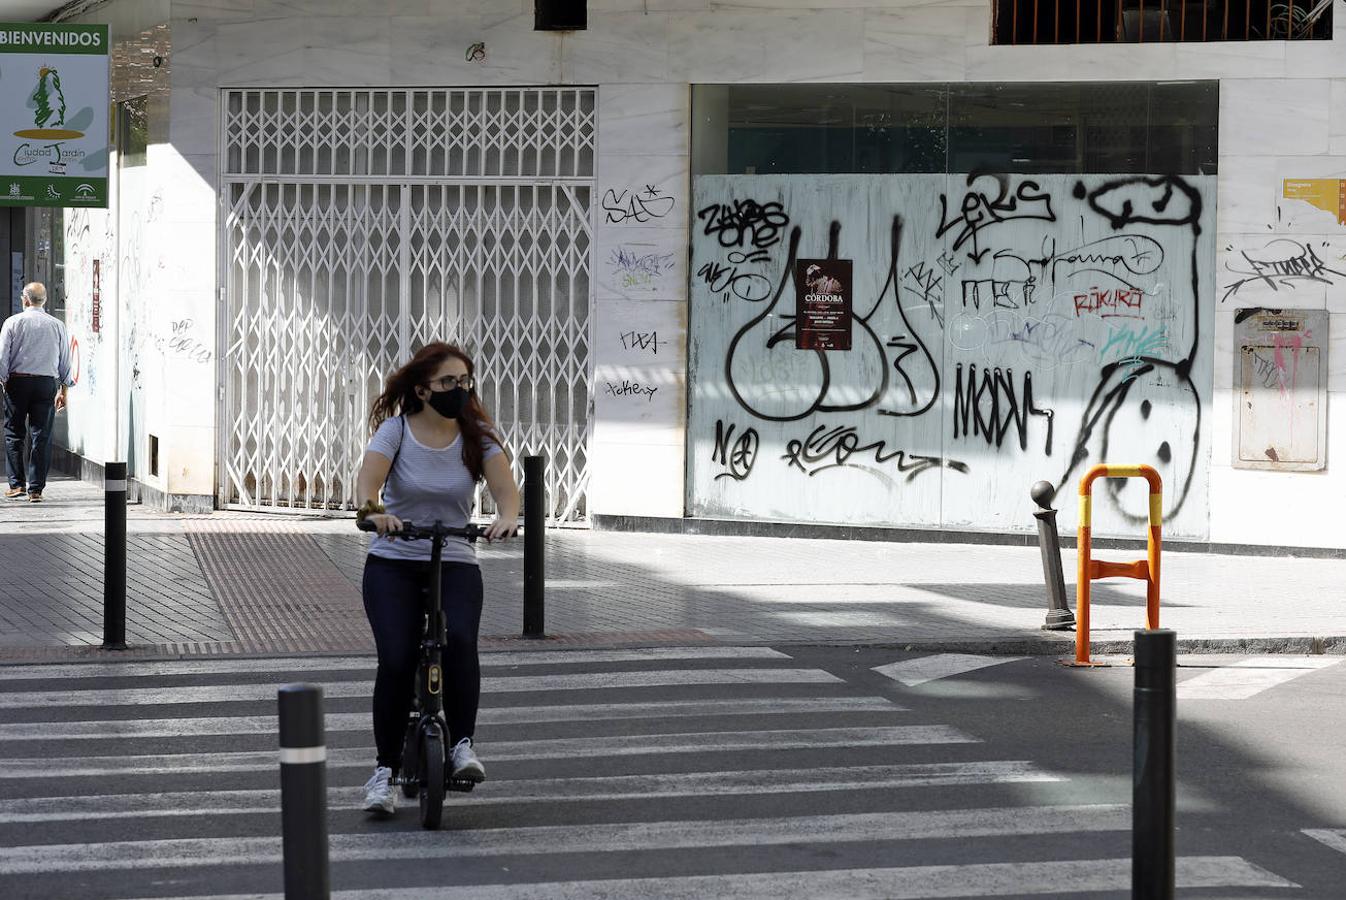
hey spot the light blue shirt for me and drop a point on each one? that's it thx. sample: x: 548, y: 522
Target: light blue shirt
x: 425, y: 485
x: 35, y: 342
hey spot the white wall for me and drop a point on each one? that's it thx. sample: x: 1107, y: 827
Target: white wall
x: 1283, y: 114
x: 131, y: 383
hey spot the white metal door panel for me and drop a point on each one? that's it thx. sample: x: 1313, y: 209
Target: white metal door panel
x: 358, y: 225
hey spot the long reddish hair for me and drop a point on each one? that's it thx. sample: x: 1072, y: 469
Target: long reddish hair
x: 399, y: 399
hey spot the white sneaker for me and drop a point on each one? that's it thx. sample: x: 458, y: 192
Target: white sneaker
x: 380, y: 794
x: 464, y: 763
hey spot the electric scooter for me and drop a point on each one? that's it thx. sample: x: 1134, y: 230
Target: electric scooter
x: 425, y: 773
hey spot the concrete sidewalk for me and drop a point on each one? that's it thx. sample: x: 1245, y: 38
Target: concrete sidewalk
x: 252, y: 583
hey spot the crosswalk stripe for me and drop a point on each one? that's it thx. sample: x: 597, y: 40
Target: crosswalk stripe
x: 520, y: 683
x: 912, y: 672
x: 285, y: 667
x: 908, y: 883
x: 550, y: 790
x: 1329, y: 837
x: 508, y: 715
x: 620, y: 745
x: 1250, y: 677
x: 577, y: 838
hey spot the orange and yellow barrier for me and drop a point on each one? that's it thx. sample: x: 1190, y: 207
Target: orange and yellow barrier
x: 1090, y: 569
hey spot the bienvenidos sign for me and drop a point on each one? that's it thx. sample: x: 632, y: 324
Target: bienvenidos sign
x: 53, y: 115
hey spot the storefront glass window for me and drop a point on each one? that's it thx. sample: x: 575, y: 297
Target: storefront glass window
x: 1071, y: 128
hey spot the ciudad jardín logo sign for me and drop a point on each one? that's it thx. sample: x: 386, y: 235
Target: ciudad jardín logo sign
x: 54, y: 145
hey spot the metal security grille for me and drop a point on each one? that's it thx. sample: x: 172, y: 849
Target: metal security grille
x: 1139, y: 21
x: 360, y: 224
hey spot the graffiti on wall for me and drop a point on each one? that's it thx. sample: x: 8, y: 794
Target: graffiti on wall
x: 1007, y: 329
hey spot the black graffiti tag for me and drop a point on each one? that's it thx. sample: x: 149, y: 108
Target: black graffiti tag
x: 1010, y: 407
x: 979, y: 211
x: 745, y: 221
x: 636, y: 206
x: 725, y: 279
x: 738, y: 456
x: 1282, y: 263
x: 925, y: 283
x: 830, y: 448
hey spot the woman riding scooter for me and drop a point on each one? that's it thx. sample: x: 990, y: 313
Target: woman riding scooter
x: 433, y: 442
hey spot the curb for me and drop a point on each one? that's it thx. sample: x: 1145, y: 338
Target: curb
x: 1293, y: 646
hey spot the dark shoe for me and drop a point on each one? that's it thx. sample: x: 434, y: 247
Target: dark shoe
x: 34, y: 496
x: 16, y: 493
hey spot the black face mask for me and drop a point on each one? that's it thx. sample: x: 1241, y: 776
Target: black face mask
x: 448, y: 403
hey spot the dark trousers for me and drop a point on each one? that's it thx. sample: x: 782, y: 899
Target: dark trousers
x: 30, y: 410
x: 393, y: 591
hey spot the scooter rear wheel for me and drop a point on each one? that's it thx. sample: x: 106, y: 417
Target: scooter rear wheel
x: 432, y: 778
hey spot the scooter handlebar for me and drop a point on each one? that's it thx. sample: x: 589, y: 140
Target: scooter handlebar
x: 412, y: 532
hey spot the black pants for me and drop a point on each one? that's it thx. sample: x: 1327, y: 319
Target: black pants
x: 393, y: 591
x: 30, y: 409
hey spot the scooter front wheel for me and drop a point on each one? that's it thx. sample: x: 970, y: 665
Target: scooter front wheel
x: 431, y: 778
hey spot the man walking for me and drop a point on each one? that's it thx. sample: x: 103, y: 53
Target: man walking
x: 35, y: 371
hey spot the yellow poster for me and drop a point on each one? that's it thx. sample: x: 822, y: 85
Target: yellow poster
x: 1327, y: 194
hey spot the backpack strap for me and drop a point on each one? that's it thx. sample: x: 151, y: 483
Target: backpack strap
x: 400, y: 441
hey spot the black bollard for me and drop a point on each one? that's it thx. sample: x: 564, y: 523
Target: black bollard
x: 114, y: 556
x: 303, y: 792
x: 534, y: 535
x: 1152, y: 799
x: 1059, y: 616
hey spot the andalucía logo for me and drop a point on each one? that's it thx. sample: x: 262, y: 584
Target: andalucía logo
x: 49, y: 114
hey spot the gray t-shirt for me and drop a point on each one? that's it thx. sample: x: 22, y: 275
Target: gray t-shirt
x: 424, y: 486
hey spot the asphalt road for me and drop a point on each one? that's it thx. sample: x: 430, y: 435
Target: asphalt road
x: 710, y: 772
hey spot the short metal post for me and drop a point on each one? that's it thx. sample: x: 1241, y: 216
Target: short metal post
x: 1152, y: 801
x: 1059, y: 616
x: 303, y: 792
x: 114, y: 556
x: 534, y: 543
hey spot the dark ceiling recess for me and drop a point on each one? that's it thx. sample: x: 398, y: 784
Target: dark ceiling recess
x: 561, y: 15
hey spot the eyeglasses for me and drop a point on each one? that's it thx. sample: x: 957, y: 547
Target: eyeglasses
x: 449, y: 382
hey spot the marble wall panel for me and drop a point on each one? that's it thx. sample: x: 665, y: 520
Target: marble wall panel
x: 1274, y: 117
x: 622, y: 47
x: 641, y: 264
x: 636, y: 192
x: 192, y: 11
x: 359, y: 9
x: 1337, y: 113
x: 820, y: 45
x: 1251, y: 59
x: 634, y: 333
x: 644, y: 119
x: 1248, y: 191
x: 636, y: 479
x: 313, y: 50
x: 916, y: 43
x: 433, y: 51
x: 1336, y: 352
x: 641, y: 6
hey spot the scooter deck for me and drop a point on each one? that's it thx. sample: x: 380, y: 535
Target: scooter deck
x: 462, y: 785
